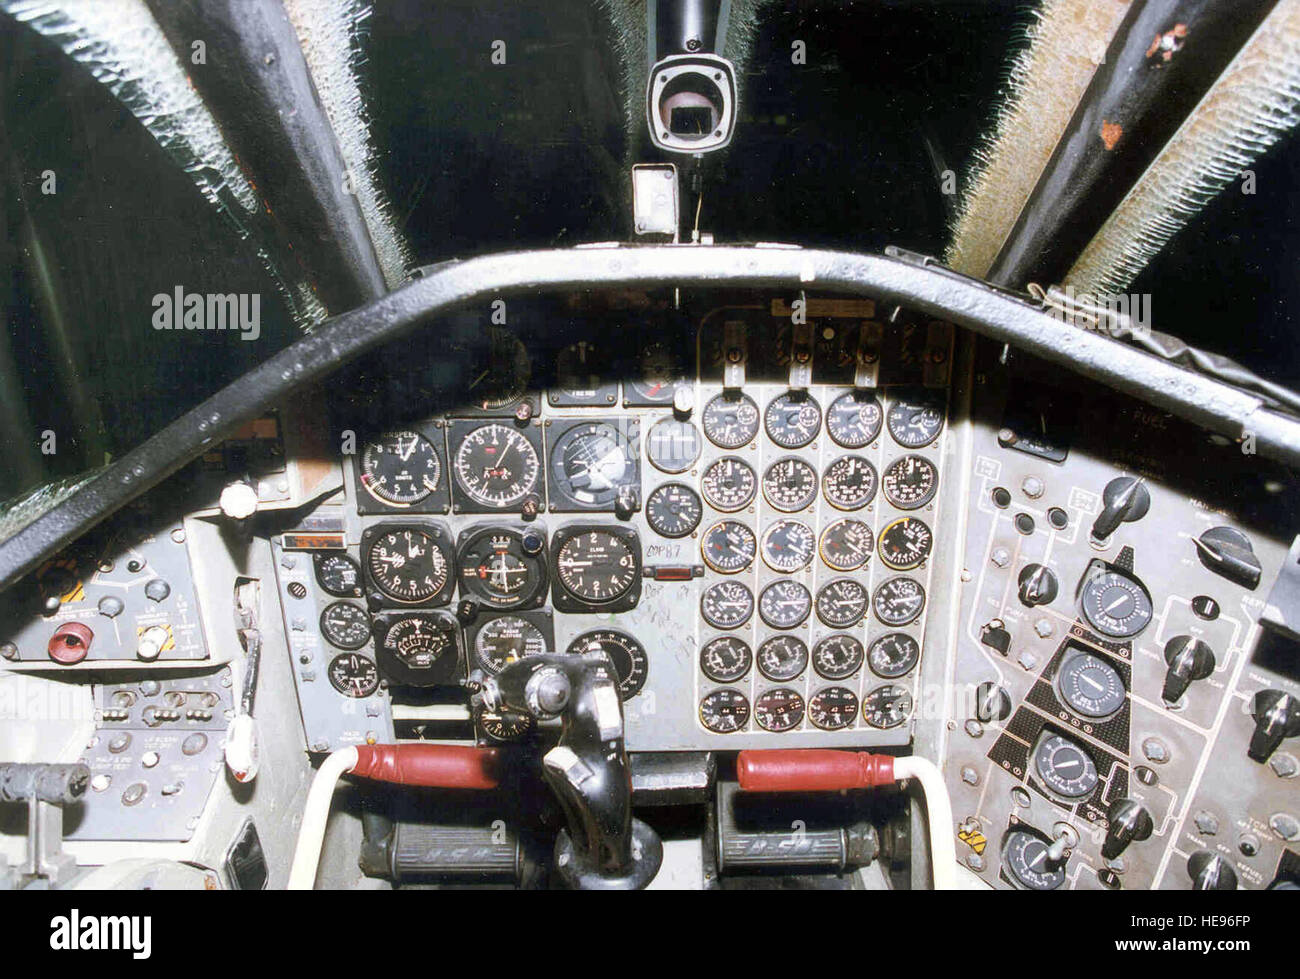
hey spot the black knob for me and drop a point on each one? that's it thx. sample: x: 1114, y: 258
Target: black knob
x: 1210, y: 872
x: 1228, y: 552
x: 1189, y: 659
x: 1126, y: 500
x: 1129, y: 821
x: 627, y: 502
x: 1277, y: 716
x: 1037, y: 585
x: 992, y: 702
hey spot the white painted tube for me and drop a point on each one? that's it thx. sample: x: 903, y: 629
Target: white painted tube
x: 938, y: 809
x: 315, y: 816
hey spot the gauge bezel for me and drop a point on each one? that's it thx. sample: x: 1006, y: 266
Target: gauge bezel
x: 639, y: 670
x: 874, y: 433
x: 333, y: 641
x: 722, y: 624
x: 803, y: 657
x: 773, y: 562
x: 446, y: 669
x: 899, y: 623
x: 925, y: 500
x: 1073, y: 654
x: 1057, y: 876
x: 757, y: 710
x: 318, y: 558
x: 704, y: 537
x: 650, y: 521
x: 804, y: 502
x: 1058, y: 786
x: 564, y: 497
x: 433, y: 431
x: 351, y: 695
x: 880, y: 689
x: 438, y: 533
x: 842, y: 623
x: 857, y: 661
x: 913, y: 659
x: 604, y: 395
x: 805, y: 599
x: 916, y: 398
x: 534, y: 591
x: 459, y: 429
x: 736, y: 675
x: 844, y: 507
x: 717, y: 505
x: 851, y: 717
x: 914, y: 561
x: 566, y: 601
x: 1092, y: 583
x: 870, y: 549
x: 730, y: 446
x: 543, y: 620
x: 675, y: 468
x: 787, y: 396
x: 730, y: 693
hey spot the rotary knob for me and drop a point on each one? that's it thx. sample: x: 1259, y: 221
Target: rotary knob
x: 1128, y: 821
x: 992, y: 702
x: 1210, y: 872
x: 1188, y: 659
x: 1125, y: 499
x: 1036, y: 585
x: 1277, y: 716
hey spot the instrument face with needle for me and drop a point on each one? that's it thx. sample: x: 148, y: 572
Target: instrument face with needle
x: 503, y: 567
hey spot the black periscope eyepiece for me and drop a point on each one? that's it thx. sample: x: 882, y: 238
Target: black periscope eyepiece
x: 604, y: 847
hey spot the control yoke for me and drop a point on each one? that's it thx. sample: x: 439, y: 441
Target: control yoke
x: 604, y: 847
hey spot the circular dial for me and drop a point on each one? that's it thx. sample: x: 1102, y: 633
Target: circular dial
x: 400, y: 468
x: 496, y: 466
x: 1090, y: 685
x: 345, y: 625
x: 417, y: 643
x: 915, y: 422
x: 910, y: 482
x: 893, y: 655
x: 730, y: 423
x: 782, y: 658
x: 792, y: 421
x: 724, y: 711
x: 590, y: 462
x: 853, y: 420
x: 408, y: 565
x: 338, y: 574
x: 1065, y: 767
x: 1025, y: 856
x: 784, y: 604
x: 729, y: 484
x: 578, y: 371
x: 661, y: 372
x: 889, y: 705
x: 846, y: 545
x: 837, y: 657
x: 788, y: 546
x: 503, y: 725
x: 1115, y: 604
x: 673, y: 510
x: 842, y: 603
x: 502, y: 566
x: 833, y: 708
x: 353, y: 675
x: 790, y: 484
x: 779, y: 710
x: 898, y: 601
x: 905, y: 544
x: 728, y: 547
x: 725, y: 659
x: 673, y: 446
x: 849, y: 483
x: 727, y: 604
x: 500, y: 372
x: 505, y: 639
x: 628, y: 656
x: 596, y: 566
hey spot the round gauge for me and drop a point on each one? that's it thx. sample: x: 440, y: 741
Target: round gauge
x: 727, y: 604
x: 345, y: 625
x: 837, y: 657
x: 673, y: 446
x: 910, y: 482
x: 779, y: 710
x: 724, y: 711
x: 728, y: 547
x: 505, y: 639
x: 578, y: 372
x: 790, y: 484
x: 893, y: 655
x: 842, y: 603
x: 898, y: 601
x: 849, y: 483
x: 833, y: 708
x: 791, y: 420
x: 1065, y: 767
x: 673, y: 510
x: 889, y: 705
x: 408, y: 565
x: 661, y: 373
x: 592, y: 461
x: 1090, y: 685
x: 725, y: 659
x: 1115, y: 604
x: 400, y: 468
x: 730, y: 422
x: 1025, y: 856
x: 905, y: 544
x: 503, y: 567
x: 417, y: 644
x: 847, y: 544
x: 596, y: 566
x: 338, y: 574
x: 729, y: 484
x: 628, y: 656
x: 916, y: 422
x: 503, y: 725
x: 782, y: 658
x: 353, y: 675
x: 496, y: 466
x: 853, y: 420
x: 784, y: 604
x: 500, y: 372
x: 788, y: 546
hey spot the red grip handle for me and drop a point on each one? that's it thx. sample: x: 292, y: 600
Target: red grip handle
x: 443, y: 766
x: 812, y: 770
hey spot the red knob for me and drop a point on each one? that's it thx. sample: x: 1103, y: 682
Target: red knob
x: 812, y: 770
x: 444, y: 766
x: 70, y: 643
